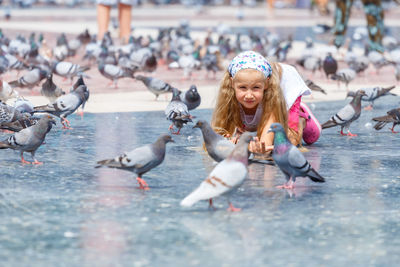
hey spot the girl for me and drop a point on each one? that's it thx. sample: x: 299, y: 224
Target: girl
x: 254, y: 94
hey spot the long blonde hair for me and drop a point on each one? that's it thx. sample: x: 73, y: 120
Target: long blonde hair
x: 226, y: 115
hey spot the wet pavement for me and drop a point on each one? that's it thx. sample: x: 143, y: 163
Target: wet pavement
x: 67, y: 213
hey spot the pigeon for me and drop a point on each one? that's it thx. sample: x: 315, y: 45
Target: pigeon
x: 30, y: 79
x: 50, y: 90
x: 9, y: 114
x: 29, y: 139
x: 25, y: 121
x: 23, y: 105
x: 393, y: 116
x: 144, y: 60
x: 218, y: 147
x: 372, y: 94
x: 227, y: 175
x: 6, y: 91
x: 66, y: 105
x: 344, y: 75
x: 177, y: 112
x: 210, y: 62
x: 14, y: 63
x: 69, y: 70
x: 329, y: 65
x: 312, y: 63
x: 346, y: 115
x: 290, y: 160
x: 113, y: 72
x: 378, y: 60
x: 397, y: 72
x: 191, y: 98
x: 141, y: 159
x: 156, y: 86
x: 310, y: 84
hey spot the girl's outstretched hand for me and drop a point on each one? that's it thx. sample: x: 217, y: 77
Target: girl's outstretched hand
x: 259, y: 147
x: 235, y: 137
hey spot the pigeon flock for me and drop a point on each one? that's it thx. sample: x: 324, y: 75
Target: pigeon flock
x: 174, y: 48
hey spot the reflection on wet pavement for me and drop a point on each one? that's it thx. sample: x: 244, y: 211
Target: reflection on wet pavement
x: 66, y: 212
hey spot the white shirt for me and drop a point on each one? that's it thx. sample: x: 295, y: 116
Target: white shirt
x: 292, y: 85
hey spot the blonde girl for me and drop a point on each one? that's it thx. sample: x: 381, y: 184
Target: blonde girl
x: 254, y: 94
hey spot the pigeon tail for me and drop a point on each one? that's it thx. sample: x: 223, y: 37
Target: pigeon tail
x: 191, y: 199
x: 14, y: 84
x: 328, y: 124
x: 83, y: 68
x: 4, y: 145
x: 315, y: 177
x: 44, y: 108
x: 108, y: 163
x: 379, y: 125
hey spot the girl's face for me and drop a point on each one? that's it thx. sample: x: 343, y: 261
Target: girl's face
x: 249, y: 86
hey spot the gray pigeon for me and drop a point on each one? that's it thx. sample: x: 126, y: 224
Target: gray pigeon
x: 66, y: 104
x: 143, y: 59
x: 393, y: 116
x: 373, y: 93
x: 156, y: 86
x: 177, y: 112
x: 346, y: 115
x: 14, y: 63
x: 113, y: 72
x: 314, y: 87
x: 290, y: 160
x: 218, y: 147
x: 29, y: 139
x: 29, y: 79
x: 68, y: 69
x: 50, y: 89
x: 23, y: 105
x: 378, y: 60
x: 191, y: 98
x: 141, y: 159
x: 227, y: 175
x: 9, y: 114
x: 345, y: 76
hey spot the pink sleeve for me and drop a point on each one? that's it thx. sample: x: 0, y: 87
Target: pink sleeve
x: 293, y: 116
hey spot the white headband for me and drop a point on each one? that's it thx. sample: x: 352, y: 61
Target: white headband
x: 250, y: 60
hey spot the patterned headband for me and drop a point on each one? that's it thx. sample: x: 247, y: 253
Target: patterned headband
x: 250, y: 60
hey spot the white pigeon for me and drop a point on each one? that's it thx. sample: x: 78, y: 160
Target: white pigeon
x: 225, y: 177
x: 6, y: 92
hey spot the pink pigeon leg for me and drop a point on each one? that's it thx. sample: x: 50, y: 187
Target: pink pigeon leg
x: 23, y: 160
x: 350, y: 134
x: 232, y: 208
x: 393, y: 131
x: 68, y: 124
x: 35, y: 161
x: 288, y: 185
x: 142, y: 184
x: 369, y: 107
